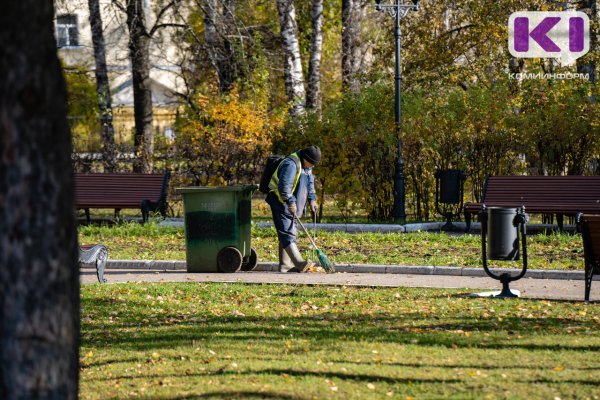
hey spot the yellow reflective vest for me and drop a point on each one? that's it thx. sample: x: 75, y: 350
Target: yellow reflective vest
x: 274, y: 184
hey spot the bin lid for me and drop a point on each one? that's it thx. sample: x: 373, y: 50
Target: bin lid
x: 233, y: 188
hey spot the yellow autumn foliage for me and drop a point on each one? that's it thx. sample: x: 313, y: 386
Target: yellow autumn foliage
x: 224, y: 140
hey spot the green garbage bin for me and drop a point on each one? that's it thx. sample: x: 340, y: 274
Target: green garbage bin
x: 217, y: 228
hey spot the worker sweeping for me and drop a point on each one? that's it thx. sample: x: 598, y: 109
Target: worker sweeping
x: 291, y: 186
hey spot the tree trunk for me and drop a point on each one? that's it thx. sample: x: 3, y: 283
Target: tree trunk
x: 211, y: 35
x: 590, y: 7
x: 103, y: 88
x: 293, y: 75
x: 39, y: 275
x: 313, y: 93
x: 139, y: 54
x: 218, y: 23
x: 348, y: 32
x: 352, y: 14
x: 230, y: 63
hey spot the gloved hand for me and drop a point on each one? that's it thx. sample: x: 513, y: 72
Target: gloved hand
x: 293, y: 209
x: 313, y: 206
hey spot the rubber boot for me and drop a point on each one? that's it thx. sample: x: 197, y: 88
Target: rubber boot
x: 285, y: 263
x: 299, y: 264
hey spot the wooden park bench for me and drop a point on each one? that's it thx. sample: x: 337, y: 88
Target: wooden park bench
x: 560, y: 195
x: 96, y: 255
x: 148, y: 192
x: 590, y: 232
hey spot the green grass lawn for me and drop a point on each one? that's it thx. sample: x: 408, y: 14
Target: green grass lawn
x: 229, y: 341
x: 150, y: 242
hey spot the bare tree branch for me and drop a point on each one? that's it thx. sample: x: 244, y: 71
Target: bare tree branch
x: 119, y: 6
x: 166, y: 25
x: 456, y: 30
x: 161, y: 13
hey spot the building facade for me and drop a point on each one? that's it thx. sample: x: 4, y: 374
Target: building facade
x: 74, y: 42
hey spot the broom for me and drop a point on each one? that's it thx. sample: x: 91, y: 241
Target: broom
x: 323, y: 260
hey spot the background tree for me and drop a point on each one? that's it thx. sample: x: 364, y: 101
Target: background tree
x: 139, y: 53
x: 293, y: 75
x: 353, y: 15
x: 313, y: 92
x: 219, y: 28
x: 39, y: 275
x: 109, y: 152
x: 588, y: 63
x: 459, y: 107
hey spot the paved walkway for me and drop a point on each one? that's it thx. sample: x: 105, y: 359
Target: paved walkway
x: 559, y: 285
x: 557, y: 289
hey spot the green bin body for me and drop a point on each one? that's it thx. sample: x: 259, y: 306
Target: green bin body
x: 216, y: 217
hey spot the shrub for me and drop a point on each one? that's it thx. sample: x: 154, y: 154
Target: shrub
x: 82, y: 110
x: 223, y: 141
x: 561, y: 125
x: 546, y: 128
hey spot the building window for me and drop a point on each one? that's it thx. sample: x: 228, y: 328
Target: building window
x: 67, y: 34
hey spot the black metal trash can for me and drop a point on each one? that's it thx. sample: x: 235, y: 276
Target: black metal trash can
x: 451, y: 185
x: 504, y: 227
x: 503, y: 234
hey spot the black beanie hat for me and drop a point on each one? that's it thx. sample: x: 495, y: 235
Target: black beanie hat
x: 311, y: 154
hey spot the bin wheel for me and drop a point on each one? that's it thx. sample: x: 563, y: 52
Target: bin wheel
x: 252, y: 261
x: 229, y: 259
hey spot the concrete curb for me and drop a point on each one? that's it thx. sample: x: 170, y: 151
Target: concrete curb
x: 171, y: 265
x: 356, y: 228
x: 353, y: 228
x: 391, y: 228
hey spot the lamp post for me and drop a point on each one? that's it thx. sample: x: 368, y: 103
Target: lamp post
x: 398, y: 10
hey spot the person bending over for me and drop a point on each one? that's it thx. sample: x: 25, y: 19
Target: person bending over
x: 291, y: 186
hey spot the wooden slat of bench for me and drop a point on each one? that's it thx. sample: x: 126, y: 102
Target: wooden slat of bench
x: 116, y: 190
x: 590, y: 233
x: 593, y: 223
x: 539, y: 194
x: 573, y: 206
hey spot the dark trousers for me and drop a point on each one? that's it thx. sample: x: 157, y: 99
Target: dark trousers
x: 282, y: 218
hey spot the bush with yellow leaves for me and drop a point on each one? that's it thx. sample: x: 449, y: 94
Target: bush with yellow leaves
x: 223, y: 141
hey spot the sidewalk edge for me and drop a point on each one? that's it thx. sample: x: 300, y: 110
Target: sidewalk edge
x: 173, y: 265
